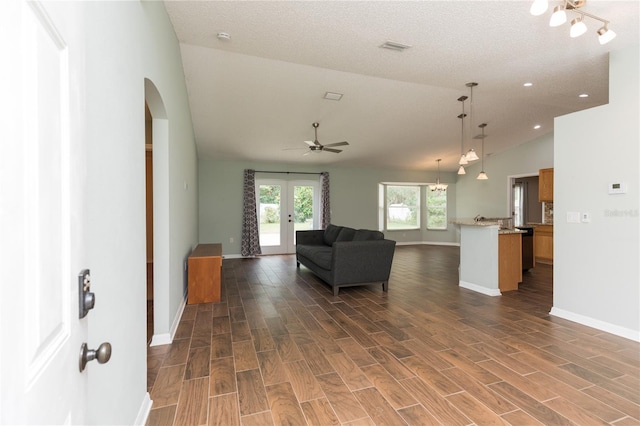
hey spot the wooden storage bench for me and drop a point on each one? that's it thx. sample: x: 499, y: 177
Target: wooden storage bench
x: 204, y: 271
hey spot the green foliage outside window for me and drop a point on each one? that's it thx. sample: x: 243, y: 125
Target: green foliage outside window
x: 436, y: 209
x: 403, y: 207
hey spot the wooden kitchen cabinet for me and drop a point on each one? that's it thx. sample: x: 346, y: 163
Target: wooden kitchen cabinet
x: 204, y: 270
x: 543, y: 244
x: 509, y: 261
x: 545, y: 185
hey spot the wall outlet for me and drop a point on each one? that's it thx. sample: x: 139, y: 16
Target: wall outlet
x: 231, y: 240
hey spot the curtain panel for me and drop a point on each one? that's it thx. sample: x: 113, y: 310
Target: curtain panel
x: 325, y: 205
x: 250, y: 245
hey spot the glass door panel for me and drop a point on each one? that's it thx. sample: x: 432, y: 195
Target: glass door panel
x: 285, y: 207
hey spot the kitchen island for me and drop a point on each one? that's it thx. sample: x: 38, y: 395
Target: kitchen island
x: 490, y: 257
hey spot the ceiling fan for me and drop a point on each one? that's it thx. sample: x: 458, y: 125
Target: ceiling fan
x: 317, y: 147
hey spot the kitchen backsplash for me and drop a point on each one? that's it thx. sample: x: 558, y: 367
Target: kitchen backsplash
x: 548, y: 213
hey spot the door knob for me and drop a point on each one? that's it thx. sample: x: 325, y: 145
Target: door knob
x: 102, y: 354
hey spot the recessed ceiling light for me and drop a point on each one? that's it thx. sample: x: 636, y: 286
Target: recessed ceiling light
x: 332, y: 96
x: 583, y: 95
x: 537, y: 126
x: 528, y: 84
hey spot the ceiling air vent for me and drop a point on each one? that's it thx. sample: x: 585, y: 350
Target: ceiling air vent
x: 394, y: 45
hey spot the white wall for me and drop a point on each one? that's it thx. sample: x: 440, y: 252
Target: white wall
x: 596, y: 277
x: 128, y: 42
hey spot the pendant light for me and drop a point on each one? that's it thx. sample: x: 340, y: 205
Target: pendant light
x: 482, y: 175
x: 471, y: 154
x: 438, y: 187
x: 463, y: 158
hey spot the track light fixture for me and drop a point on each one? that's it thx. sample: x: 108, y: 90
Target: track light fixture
x: 578, y: 27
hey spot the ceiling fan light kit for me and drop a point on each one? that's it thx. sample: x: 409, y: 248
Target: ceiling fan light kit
x: 578, y: 27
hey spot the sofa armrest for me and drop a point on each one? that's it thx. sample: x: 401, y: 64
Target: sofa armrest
x: 313, y: 238
x: 362, y: 261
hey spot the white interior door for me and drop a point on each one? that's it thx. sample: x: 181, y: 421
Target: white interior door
x: 41, y: 217
x: 285, y: 207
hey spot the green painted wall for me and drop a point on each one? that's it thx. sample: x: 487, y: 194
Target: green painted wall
x: 354, y: 199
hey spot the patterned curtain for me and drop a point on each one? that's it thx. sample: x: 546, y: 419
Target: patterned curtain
x: 250, y: 245
x: 325, y: 205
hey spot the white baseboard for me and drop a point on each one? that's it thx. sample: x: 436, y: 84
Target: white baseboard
x: 145, y: 409
x: 627, y: 333
x: 480, y: 289
x: 167, y: 338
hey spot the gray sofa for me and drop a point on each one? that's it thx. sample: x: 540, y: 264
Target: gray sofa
x: 345, y: 257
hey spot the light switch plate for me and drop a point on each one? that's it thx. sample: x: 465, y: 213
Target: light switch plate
x: 573, y: 217
x: 586, y: 217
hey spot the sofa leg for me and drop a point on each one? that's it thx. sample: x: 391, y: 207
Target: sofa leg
x: 335, y: 290
x: 385, y: 286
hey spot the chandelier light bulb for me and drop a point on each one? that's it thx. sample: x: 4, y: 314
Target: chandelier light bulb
x: 539, y: 7
x: 472, y: 156
x: 482, y: 176
x: 462, y: 171
x: 605, y: 35
x: 577, y: 28
x: 463, y: 160
x: 559, y: 17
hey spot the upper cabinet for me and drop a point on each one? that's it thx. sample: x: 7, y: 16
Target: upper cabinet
x: 545, y: 185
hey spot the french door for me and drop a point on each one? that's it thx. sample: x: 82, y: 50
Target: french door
x: 285, y: 207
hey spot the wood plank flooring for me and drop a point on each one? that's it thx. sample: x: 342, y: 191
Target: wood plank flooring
x: 281, y: 349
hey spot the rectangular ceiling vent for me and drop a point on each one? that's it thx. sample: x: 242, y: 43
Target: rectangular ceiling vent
x: 394, y: 45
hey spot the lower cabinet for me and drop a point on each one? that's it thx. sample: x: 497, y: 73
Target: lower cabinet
x: 543, y: 244
x: 509, y: 261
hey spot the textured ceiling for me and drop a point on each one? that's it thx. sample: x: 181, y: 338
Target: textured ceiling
x: 255, y: 96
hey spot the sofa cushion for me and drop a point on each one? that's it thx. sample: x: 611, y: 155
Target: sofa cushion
x: 320, y: 255
x: 367, y: 235
x: 346, y: 234
x: 331, y: 234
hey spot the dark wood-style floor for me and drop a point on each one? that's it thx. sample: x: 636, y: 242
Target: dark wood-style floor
x: 280, y: 349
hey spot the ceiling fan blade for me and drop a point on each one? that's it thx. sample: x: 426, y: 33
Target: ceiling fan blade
x: 310, y: 143
x: 338, y: 143
x: 307, y: 153
x: 331, y: 149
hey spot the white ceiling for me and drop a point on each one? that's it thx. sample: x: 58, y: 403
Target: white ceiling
x: 256, y: 95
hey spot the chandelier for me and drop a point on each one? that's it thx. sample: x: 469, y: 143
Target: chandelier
x: 578, y: 27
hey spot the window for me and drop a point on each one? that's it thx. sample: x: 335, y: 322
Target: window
x: 436, y: 209
x: 403, y: 207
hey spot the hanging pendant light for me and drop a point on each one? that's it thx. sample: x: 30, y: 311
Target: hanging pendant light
x: 471, y: 154
x: 438, y: 187
x: 482, y: 175
x: 463, y: 158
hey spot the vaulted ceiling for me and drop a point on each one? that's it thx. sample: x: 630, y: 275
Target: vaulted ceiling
x: 255, y: 95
